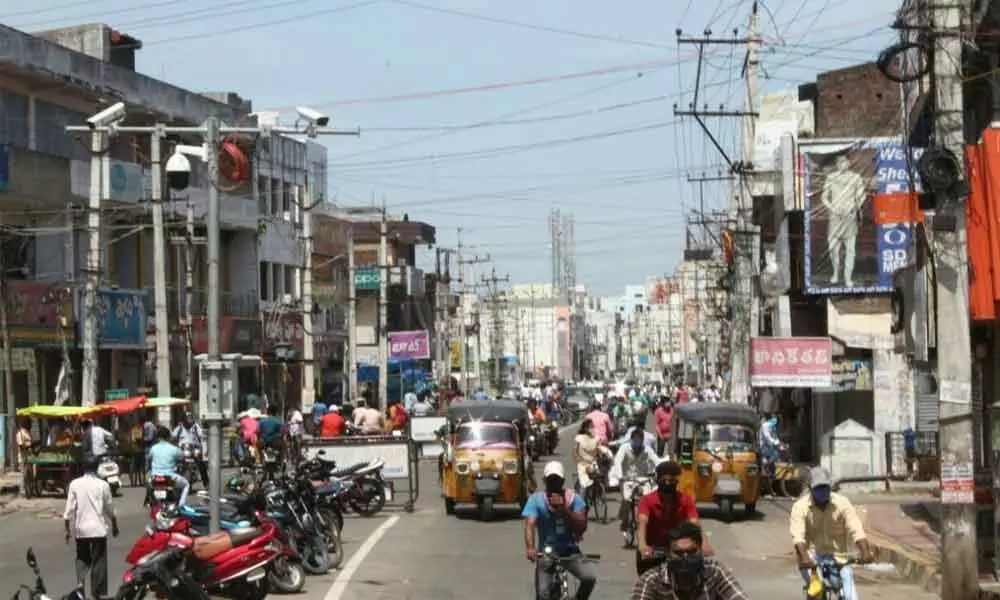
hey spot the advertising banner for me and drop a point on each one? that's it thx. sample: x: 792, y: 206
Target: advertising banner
x: 847, y: 251
x: 122, y: 322
x: 409, y: 344
x: 797, y: 362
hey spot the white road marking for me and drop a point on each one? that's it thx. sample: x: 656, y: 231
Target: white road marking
x: 339, y: 586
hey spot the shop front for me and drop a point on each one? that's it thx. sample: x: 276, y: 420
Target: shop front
x: 121, y: 330
x: 40, y: 320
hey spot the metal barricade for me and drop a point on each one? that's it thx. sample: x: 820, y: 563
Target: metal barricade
x: 425, y: 434
x: 397, y: 451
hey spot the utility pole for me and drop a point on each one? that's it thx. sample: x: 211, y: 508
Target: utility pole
x: 959, y: 572
x: 160, y: 278
x: 10, y: 405
x: 215, y: 401
x: 744, y: 311
x: 93, y: 268
x: 495, y: 298
x: 383, y: 310
x: 306, y: 279
x: 463, y: 290
x: 442, y: 279
x: 189, y: 258
x: 352, y: 322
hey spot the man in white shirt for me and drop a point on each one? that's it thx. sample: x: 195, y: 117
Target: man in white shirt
x: 843, y: 195
x: 98, y: 438
x: 88, y: 516
x: 369, y: 420
x: 422, y: 408
x: 296, y: 422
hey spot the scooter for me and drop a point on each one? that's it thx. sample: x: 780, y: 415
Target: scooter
x: 233, y: 564
x: 109, y: 471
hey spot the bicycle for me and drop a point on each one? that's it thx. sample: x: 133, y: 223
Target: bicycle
x: 826, y: 577
x: 596, y: 495
x: 560, y: 589
x: 633, y: 490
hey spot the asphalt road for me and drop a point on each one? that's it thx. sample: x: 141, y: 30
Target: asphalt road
x: 428, y: 555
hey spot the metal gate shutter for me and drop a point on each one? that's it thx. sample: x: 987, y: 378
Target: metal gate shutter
x: 927, y: 402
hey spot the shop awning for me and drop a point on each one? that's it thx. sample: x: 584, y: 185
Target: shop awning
x: 165, y: 401
x: 48, y: 411
x: 124, y: 406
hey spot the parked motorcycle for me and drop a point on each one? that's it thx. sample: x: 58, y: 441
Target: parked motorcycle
x: 192, y: 457
x: 38, y: 591
x: 161, y: 573
x: 233, y: 564
x: 360, y: 486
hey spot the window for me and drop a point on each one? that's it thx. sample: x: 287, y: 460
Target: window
x: 263, y: 195
x: 287, y: 198
x: 50, y: 131
x: 14, y: 119
x: 265, y: 281
x: 276, y: 200
x: 289, y: 274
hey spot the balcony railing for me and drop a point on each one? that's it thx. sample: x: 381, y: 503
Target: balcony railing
x: 232, y: 304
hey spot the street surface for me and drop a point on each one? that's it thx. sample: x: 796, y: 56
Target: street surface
x: 428, y: 555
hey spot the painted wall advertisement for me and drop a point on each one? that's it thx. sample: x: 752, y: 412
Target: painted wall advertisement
x: 791, y: 362
x: 413, y: 345
x: 851, y: 375
x: 122, y: 320
x: 846, y: 251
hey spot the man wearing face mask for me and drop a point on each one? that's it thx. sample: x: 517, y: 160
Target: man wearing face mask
x: 659, y: 512
x: 824, y: 525
x: 556, y: 518
x: 687, y: 574
x: 632, y: 461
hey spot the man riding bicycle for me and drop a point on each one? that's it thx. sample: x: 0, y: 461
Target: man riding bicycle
x: 556, y: 518
x: 632, y: 461
x: 823, y: 524
x: 688, y: 574
x: 162, y: 459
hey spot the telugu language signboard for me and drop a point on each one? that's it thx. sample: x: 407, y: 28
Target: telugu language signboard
x: 847, y: 251
x: 414, y: 345
x: 798, y: 362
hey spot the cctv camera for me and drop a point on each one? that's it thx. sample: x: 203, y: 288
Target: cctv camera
x: 108, y: 116
x: 314, y: 117
x: 178, y: 171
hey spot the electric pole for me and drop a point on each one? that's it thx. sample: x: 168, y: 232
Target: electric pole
x: 959, y: 571
x: 743, y: 301
x: 496, y: 298
x: 463, y: 293
x: 187, y: 243
x: 352, y: 321
x: 442, y: 282
x: 383, y: 310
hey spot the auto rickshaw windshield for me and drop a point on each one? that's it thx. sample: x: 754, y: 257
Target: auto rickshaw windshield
x: 485, y: 435
x: 737, y: 438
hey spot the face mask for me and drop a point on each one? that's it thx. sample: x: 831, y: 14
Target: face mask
x: 667, y: 489
x: 686, y: 570
x: 637, y: 447
x: 821, y: 496
x: 554, y: 485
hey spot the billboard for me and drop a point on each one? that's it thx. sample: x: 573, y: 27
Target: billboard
x: 796, y: 362
x: 846, y: 251
x: 412, y: 345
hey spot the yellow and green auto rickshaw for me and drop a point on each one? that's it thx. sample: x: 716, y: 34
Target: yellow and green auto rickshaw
x: 485, y: 461
x: 716, y: 445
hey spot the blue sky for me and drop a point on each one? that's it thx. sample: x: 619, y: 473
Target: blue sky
x: 486, y: 115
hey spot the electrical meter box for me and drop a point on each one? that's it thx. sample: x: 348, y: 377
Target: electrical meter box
x: 218, y: 389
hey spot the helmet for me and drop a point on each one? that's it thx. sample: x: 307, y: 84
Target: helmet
x: 236, y: 484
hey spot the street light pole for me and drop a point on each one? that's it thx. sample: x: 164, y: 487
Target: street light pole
x: 160, y: 278
x: 90, y: 351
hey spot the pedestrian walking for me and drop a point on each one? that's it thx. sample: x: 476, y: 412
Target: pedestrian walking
x: 88, y: 517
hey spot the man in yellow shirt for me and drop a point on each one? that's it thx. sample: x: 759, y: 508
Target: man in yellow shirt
x: 824, y: 525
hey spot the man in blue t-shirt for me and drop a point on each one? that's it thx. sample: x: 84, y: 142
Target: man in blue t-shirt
x: 556, y: 518
x: 271, y: 429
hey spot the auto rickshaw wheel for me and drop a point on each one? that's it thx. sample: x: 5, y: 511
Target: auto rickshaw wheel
x: 726, y: 509
x: 449, y: 506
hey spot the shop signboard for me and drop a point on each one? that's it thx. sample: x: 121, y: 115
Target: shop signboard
x: 414, y: 345
x: 243, y: 336
x: 366, y: 278
x: 122, y: 319
x: 37, y: 311
x: 848, y: 250
x: 851, y: 375
x: 793, y: 362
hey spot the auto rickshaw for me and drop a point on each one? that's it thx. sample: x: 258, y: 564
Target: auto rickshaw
x: 716, y: 445
x: 485, y: 461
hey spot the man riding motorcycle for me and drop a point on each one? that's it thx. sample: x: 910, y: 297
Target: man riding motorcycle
x: 162, y: 459
x: 189, y: 433
x: 633, y: 461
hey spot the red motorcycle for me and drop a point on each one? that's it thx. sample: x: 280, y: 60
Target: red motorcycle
x: 162, y: 490
x: 240, y: 563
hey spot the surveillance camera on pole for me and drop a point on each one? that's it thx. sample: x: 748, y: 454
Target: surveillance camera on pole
x: 314, y: 118
x: 108, y: 117
x: 179, y: 167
